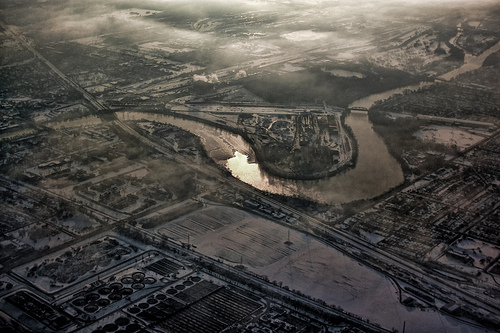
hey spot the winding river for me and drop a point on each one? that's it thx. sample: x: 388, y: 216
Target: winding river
x: 471, y: 62
x: 376, y: 171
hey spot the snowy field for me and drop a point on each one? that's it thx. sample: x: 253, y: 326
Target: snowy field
x: 306, y: 265
x: 41, y: 236
x: 480, y: 254
x: 449, y: 135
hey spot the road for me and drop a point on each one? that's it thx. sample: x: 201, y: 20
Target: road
x: 70, y: 83
x: 348, y: 240
x: 344, y: 240
x: 256, y: 280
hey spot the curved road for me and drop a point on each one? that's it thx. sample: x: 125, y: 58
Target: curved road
x: 349, y: 240
x: 343, y: 238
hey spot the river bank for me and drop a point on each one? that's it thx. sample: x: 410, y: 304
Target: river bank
x: 375, y: 172
x: 257, y: 151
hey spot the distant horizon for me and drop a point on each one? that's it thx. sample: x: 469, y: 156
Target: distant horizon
x: 242, y: 166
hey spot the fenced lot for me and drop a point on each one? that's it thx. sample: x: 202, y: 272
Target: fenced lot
x: 64, y: 268
x: 195, y: 304
x: 38, y: 309
x: 164, y: 267
x: 212, y: 313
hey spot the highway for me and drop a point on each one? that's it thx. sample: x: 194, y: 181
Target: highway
x: 91, y: 99
x: 344, y: 240
x: 256, y: 280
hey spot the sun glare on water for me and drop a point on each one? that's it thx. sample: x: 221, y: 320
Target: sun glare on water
x: 247, y: 172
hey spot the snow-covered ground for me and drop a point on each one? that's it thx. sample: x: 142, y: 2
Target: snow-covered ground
x: 131, y: 13
x: 343, y: 73
x: 51, y: 238
x: 479, y: 252
x: 162, y: 46
x: 80, y: 122
x: 80, y: 224
x: 448, y: 135
x: 304, y: 35
x: 306, y: 265
x: 66, y: 263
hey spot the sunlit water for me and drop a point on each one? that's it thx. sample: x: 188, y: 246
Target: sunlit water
x: 376, y: 171
x: 471, y: 63
x: 368, y: 101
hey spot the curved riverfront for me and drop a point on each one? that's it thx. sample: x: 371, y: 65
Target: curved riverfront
x: 375, y: 172
x: 306, y: 143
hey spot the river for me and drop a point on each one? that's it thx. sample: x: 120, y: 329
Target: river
x: 376, y: 171
x: 471, y: 62
x: 368, y: 101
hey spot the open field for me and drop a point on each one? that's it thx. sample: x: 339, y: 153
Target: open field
x: 130, y: 132
x: 305, y: 265
x: 448, y: 135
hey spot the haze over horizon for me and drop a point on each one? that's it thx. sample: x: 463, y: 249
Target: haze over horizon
x: 249, y: 166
